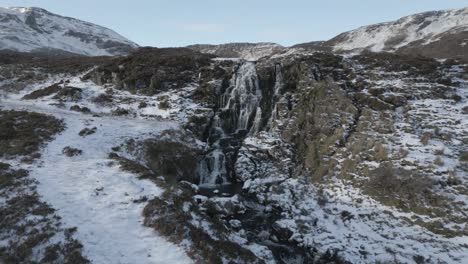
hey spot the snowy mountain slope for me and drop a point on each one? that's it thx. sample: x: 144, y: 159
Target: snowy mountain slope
x: 29, y: 29
x: 424, y: 27
x: 246, y: 51
x: 438, y: 34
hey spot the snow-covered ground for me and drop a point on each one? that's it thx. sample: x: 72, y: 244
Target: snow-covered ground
x: 368, y: 232
x: 426, y: 27
x: 93, y: 193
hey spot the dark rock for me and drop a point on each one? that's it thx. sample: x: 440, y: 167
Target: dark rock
x: 87, y: 131
x: 77, y: 108
x: 120, y: 111
x: 69, y: 93
x: 71, y: 152
x: 54, y: 88
x: 174, y: 155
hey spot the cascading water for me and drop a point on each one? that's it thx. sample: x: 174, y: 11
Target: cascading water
x: 239, y: 106
x: 279, y: 83
x: 243, y: 96
x: 212, y: 169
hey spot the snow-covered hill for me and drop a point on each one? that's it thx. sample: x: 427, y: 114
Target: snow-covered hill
x: 437, y: 34
x: 29, y: 29
x: 425, y: 31
x: 246, y: 51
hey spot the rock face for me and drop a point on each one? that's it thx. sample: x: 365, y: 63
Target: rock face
x: 31, y: 29
x: 237, y: 113
x: 437, y: 34
x: 246, y: 51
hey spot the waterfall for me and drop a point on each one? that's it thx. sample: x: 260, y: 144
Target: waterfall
x: 279, y: 83
x: 244, y: 96
x: 212, y: 168
x: 239, y: 111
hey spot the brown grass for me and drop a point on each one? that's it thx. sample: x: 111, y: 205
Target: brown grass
x: 23, y: 133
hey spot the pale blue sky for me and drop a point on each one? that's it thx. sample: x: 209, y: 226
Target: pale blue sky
x: 164, y: 23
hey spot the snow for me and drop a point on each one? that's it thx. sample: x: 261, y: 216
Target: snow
x: 259, y: 51
x: 92, y: 193
x: 51, y: 32
x: 245, y: 51
x: 180, y: 105
x: 373, y: 228
x: 407, y: 30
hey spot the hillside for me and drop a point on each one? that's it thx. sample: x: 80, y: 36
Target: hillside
x: 37, y: 30
x: 437, y: 34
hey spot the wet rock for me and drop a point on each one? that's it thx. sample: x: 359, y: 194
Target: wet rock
x: 142, y: 105
x: 151, y: 70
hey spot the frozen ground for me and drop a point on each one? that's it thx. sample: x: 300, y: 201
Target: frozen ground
x: 93, y: 194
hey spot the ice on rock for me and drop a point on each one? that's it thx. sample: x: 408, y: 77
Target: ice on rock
x: 242, y: 101
x: 212, y: 169
x: 244, y: 96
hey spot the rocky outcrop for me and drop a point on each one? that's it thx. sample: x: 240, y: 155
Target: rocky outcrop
x: 151, y: 70
x: 174, y: 155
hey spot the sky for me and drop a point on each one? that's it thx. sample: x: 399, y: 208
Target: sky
x: 173, y: 23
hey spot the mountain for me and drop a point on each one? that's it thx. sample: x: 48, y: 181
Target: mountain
x: 299, y: 158
x: 170, y: 155
x: 439, y: 34
x: 31, y: 29
x: 247, y: 51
